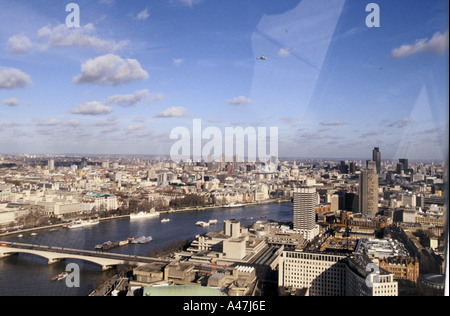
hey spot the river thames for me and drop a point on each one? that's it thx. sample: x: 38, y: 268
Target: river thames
x: 29, y: 275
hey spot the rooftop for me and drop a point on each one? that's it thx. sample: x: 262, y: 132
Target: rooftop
x: 380, y: 248
x: 181, y: 290
x: 99, y: 195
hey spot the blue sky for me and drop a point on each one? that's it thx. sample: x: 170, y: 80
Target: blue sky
x: 134, y: 70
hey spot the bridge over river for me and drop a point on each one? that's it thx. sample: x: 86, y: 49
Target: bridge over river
x: 54, y: 254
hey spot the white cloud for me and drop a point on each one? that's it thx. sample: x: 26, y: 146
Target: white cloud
x: 401, y: 122
x: 11, y: 78
x: 333, y: 123
x: 153, y: 98
x: 373, y: 133
x: 11, y: 102
x: 288, y: 119
x: 53, y: 122
x: 107, y: 2
x: 189, y: 3
x: 50, y: 122
x: 54, y: 128
x: 129, y: 100
x: 176, y: 111
x: 240, y: 101
x: 437, y: 45
x: 311, y: 135
x: 72, y: 123
x: 92, y: 108
x: 143, y: 15
x: 110, y: 129
x: 178, y: 61
x: 284, y: 52
x: 135, y: 127
x: 110, y: 70
x: 62, y: 36
x: 56, y: 122
x: 110, y: 121
x: 19, y: 44
x: 139, y: 119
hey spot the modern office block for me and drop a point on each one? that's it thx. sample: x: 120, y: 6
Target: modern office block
x: 305, y: 201
x: 368, y: 191
x: 376, y: 156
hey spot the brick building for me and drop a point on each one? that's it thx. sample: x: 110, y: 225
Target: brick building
x: 403, y: 268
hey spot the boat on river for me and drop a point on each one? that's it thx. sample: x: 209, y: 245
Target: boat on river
x: 123, y: 242
x: 107, y: 245
x: 81, y: 223
x: 233, y: 205
x: 60, y: 276
x: 143, y: 215
x: 142, y: 240
x: 202, y: 224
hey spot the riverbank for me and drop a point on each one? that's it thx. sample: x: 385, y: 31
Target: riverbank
x: 48, y: 227
x: 212, y: 207
x: 189, y: 209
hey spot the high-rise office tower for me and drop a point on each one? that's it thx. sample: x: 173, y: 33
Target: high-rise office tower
x: 51, y: 165
x: 399, y: 168
x: 83, y: 163
x: 222, y: 162
x: 405, y: 164
x: 368, y: 190
x: 343, y: 167
x: 376, y: 156
x: 305, y: 202
x: 352, y: 167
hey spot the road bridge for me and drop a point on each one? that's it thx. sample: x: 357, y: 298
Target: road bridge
x: 54, y: 254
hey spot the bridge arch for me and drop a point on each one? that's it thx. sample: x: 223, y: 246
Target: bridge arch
x: 52, y: 257
x: 55, y: 254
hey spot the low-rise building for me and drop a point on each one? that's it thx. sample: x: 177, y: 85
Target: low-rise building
x: 403, y: 268
x: 380, y: 248
x: 149, y: 273
x: 240, y: 281
x: 179, y: 272
x: 99, y: 201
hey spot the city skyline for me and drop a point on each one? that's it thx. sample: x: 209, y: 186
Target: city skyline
x: 131, y: 72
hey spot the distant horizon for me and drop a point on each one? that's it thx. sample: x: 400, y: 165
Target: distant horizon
x: 281, y: 158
